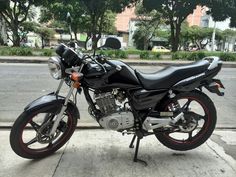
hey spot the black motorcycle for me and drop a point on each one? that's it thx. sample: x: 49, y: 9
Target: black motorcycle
x: 169, y: 104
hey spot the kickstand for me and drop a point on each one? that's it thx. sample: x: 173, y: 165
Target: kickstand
x: 132, y: 142
x: 136, y: 151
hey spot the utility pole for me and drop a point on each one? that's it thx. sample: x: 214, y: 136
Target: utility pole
x: 213, y: 38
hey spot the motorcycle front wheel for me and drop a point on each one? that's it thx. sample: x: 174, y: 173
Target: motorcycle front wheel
x: 198, y: 124
x: 29, y: 135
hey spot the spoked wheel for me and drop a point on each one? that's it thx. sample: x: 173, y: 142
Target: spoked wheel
x: 30, y: 138
x: 196, y: 127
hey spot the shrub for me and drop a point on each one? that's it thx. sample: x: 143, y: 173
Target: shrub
x: 110, y: 53
x: 180, y: 56
x: 191, y: 56
x: 145, y: 55
x: 47, y: 52
x: 20, y: 51
x: 121, y: 54
x: 228, y: 56
x: 156, y: 55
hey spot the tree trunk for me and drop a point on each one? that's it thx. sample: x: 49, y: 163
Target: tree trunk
x: 172, y: 27
x: 42, y: 39
x: 86, y: 41
x: 75, y: 33
x: 15, y: 37
x: 146, y: 43
x: 95, y: 40
x: 175, y: 34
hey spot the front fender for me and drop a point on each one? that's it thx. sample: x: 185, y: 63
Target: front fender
x: 51, y: 103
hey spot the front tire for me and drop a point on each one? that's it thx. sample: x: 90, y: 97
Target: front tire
x: 35, y: 145
x: 204, y: 132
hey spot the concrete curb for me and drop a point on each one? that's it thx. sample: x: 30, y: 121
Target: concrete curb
x: 8, y: 125
x: 41, y: 60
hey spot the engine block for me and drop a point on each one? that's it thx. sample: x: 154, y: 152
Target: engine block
x: 118, y: 121
x: 106, y: 102
x: 114, y: 117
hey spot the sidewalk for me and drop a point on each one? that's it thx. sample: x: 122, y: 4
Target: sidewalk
x: 105, y: 153
x: 41, y: 59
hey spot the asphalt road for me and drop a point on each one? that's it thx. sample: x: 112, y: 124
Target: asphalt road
x: 22, y: 83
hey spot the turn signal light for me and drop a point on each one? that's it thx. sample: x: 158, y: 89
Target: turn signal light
x: 76, y: 77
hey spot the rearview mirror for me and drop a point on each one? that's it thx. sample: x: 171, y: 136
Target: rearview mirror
x: 111, y: 43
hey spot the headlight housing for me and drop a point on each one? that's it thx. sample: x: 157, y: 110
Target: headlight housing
x: 56, y: 68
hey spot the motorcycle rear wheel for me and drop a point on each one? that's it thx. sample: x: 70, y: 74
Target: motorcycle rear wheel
x: 200, y: 133
x: 28, y: 135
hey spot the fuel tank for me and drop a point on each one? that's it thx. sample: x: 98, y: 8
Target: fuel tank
x: 95, y: 77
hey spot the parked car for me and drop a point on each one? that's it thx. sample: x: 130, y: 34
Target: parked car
x: 160, y: 49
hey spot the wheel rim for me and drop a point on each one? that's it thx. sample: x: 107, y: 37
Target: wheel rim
x: 31, y: 142
x: 203, y: 122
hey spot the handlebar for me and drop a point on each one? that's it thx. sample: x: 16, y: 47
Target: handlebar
x: 101, y: 59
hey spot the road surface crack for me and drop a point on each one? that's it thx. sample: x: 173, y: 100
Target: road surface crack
x: 221, y: 157
x: 60, y: 159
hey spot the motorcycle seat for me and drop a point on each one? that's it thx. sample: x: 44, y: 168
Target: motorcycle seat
x: 169, y: 76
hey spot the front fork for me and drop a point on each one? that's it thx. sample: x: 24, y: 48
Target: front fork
x: 60, y: 115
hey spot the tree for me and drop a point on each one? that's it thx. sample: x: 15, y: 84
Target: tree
x: 89, y: 17
x: 198, y: 36
x: 96, y: 11
x: 148, y: 23
x: 176, y: 11
x: 221, y: 10
x: 15, y: 13
x: 45, y: 34
x: 56, y: 13
x: 228, y: 36
x: 28, y: 26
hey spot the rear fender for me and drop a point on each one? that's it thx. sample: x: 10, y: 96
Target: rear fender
x: 51, y: 104
x: 214, y: 87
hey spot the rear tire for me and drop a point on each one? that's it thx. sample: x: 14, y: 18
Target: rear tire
x: 203, y: 135
x: 25, y: 119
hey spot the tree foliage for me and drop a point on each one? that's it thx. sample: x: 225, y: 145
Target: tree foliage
x: 56, y: 13
x: 45, y: 34
x: 93, y: 17
x: 220, y: 10
x: 148, y: 23
x: 15, y: 13
x: 176, y: 11
x: 96, y: 10
x: 198, y: 36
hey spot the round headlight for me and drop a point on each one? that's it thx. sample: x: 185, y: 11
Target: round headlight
x: 56, y: 68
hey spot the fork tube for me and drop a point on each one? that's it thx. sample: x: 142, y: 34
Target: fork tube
x: 59, y: 87
x: 59, y: 116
